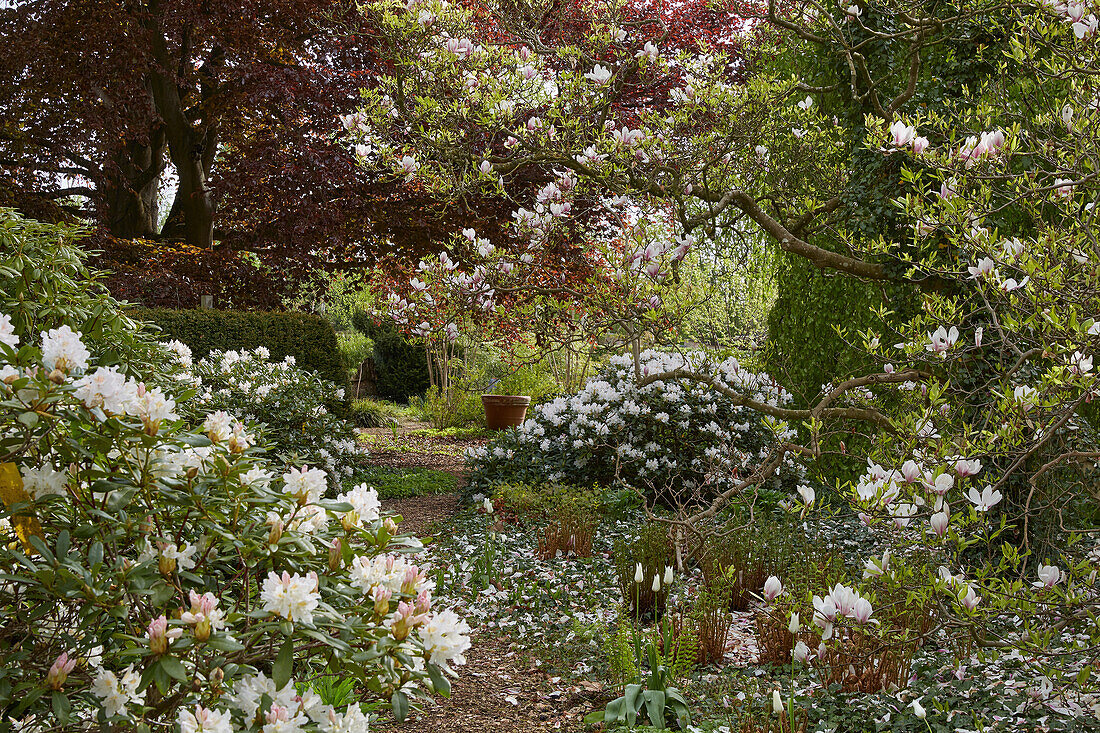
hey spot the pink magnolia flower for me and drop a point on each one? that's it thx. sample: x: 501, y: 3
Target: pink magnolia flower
x: 1049, y: 576
x: 965, y: 468
x: 772, y: 588
x: 901, y: 134
x: 862, y: 610
x: 939, y: 523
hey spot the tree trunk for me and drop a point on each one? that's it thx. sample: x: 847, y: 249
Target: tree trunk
x: 132, y: 198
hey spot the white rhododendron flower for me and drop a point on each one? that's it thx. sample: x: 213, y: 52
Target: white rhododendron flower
x: 294, y: 597
x: 62, y: 349
x: 446, y: 638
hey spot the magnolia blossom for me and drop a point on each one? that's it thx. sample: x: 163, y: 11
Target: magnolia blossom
x: 599, y: 74
x: 1079, y: 363
x: 294, y: 597
x: 772, y: 588
x: 1049, y: 576
x: 965, y: 468
x: 1026, y: 396
x: 969, y: 599
x: 649, y: 52
x: 853, y: 12
x: 986, y: 500
x: 801, y: 652
x: 806, y: 103
x: 942, y: 339
x: 1063, y: 187
x: 938, y: 523
x: 984, y: 268
x: 902, y: 134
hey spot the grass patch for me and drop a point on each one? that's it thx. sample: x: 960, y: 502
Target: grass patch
x: 402, y: 483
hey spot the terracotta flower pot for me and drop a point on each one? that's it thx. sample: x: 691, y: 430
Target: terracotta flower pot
x: 504, y: 411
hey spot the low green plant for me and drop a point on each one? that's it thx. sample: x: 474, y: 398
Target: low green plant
x: 403, y: 483
x: 464, y: 408
x: 543, y: 502
x: 652, y: 694
x: 367, y: 413
x: 619, y: 648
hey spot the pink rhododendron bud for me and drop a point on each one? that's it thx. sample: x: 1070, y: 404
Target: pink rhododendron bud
x: 412, y: 576
x: 59, y: 671
x: 335, y: 554
x: 160, y: 636
x: 390, y: 525
x: 382, y: 598
x: 424, y: 602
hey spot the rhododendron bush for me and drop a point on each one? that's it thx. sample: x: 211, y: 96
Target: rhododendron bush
x: 157, y: 573
x: 679, y: 443
x: 295, y: 408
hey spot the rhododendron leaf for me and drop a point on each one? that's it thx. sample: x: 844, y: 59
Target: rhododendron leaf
x: 61, y: 707
x: 400, y: 704
x: 284, y: 665
x: 174, y: 668
x: 441, y: 684
x: 63, y: 540
x: 224, y: 644
x: 95, y: 555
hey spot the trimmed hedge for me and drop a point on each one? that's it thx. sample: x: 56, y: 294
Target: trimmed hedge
x: 309, y: 338
x: 400, y: 367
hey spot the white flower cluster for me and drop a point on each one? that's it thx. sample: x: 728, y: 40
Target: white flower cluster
x: 668, y: 433
x: 248, y: 388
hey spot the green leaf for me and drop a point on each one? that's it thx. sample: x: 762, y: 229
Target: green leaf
x: 284, y: 665
x: 400, y: 704
x: 655, y: 707
x: 439, y: 681
x: 61, y: 707
x: 174, y: 668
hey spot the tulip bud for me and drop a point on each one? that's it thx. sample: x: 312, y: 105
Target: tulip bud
x: 772, y: 588
x: 918, y: 709
x: 777, y: 702
x: 667, y: 580
x: 639, y: 574
x: 656, y: 587
x: 795, y: 626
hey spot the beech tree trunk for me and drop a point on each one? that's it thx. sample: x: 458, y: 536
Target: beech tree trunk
x: 132, y: 198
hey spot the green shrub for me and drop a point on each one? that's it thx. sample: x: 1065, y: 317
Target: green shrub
x: 400, y: 367
x: 374, y: 413
x: 546, y: 501
x: 464, y: 410
x: 355, y: 348
x: 309, y: 338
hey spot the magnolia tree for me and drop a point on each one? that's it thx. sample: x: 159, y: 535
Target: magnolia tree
x: 978, y: 415
x: 160, y: 576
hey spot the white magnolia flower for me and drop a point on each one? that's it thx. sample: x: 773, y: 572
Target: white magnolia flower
x: 599, y: 74
x: 986, y: 500
x: 1049, y: 576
